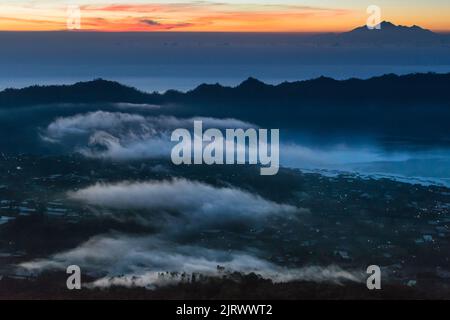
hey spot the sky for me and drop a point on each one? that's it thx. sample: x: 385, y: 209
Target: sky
x: 218, y: 15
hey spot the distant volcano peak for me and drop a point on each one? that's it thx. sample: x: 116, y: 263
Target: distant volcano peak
x: 389, y: 26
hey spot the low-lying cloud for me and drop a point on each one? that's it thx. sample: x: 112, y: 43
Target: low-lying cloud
x: 117, y: 259
x: 119, y: 135
x: 191, y: 203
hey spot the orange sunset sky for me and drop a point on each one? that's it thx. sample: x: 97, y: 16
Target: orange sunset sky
x: 221, y: 15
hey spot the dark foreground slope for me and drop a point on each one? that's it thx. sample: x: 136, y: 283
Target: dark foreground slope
x: 235, y: 287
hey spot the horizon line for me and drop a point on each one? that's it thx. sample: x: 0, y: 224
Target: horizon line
x: 446, y: 31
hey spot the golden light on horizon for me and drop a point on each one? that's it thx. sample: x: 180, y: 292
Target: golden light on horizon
x: 208, y: 17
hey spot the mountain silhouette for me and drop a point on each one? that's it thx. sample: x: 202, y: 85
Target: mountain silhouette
x: 388, y: 27
x: 430, y: 88
x: 387, y: 34
x: 410, y: 105
x: 98, y: 90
